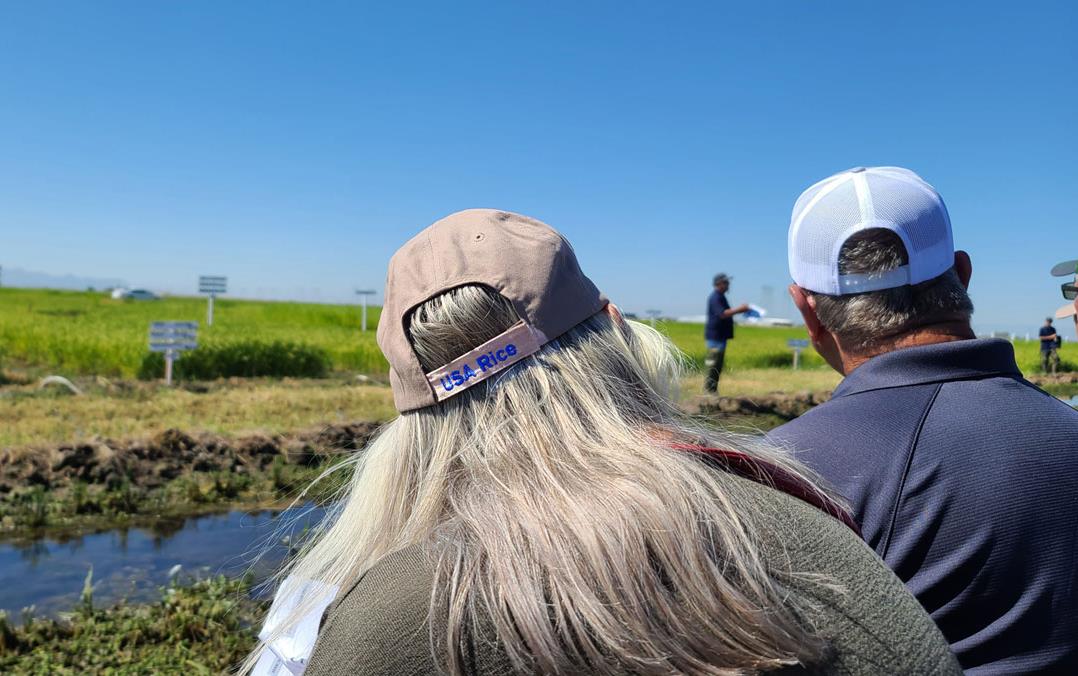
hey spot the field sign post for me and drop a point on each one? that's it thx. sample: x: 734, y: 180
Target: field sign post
x: 212, y: 285
x: 172, y: 338
x: 797, y: 345
x: 364, y: 293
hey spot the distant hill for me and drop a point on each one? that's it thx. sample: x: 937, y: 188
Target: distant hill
x: 15, y: 277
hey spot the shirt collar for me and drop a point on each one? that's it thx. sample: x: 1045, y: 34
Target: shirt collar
x: 957, y: 360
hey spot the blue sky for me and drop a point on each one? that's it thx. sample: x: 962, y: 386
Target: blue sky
x: 293, y: 148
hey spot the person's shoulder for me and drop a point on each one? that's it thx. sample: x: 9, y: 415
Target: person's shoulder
x: 872, y: 621
x: 784, y: 520
x: 379, y: 625
x: 816, y: 419
x: 1019, y: 402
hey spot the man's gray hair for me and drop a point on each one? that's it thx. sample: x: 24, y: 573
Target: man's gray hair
x: 862, y: 321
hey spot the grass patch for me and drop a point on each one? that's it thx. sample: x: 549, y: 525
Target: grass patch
x: 753, y: 347
x: 30, y: 417
x: 203, y: 628
x: 754, y: 382
x: 242, y: 359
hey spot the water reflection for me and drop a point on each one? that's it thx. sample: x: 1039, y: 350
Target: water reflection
x: 132, y: 563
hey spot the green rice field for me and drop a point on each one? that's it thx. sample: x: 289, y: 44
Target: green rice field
x: 88, y: 333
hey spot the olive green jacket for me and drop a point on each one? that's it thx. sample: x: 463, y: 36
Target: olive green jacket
x: 379, y: 626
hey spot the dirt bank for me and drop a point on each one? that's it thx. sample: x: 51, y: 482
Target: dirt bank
x: 152, y: 462
x: 783, y: 405
x: 86, y: 487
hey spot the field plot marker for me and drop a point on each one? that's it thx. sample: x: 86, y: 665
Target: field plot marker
x: 212, y: 285
x: 172, y: 338
x: 797, y: 345
x: 365, y: 293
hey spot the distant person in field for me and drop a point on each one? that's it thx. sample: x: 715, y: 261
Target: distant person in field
x: 543, y: 506
x: 963, y: 475
x: 1049, y: 347
x: 718, y: 330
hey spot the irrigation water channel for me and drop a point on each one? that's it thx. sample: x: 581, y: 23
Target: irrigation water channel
x: 135, y: 563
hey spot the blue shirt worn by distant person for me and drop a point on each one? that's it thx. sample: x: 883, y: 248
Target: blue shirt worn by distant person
x: 718, y: 327
x: 964, y: 478
x: 1048, y: 345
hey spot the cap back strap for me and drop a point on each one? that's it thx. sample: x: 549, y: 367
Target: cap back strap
x: 491, y: 358
x: 874, y: 281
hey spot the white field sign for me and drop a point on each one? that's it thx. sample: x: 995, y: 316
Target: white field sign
x: 172, y: 338
x: 212, y: 285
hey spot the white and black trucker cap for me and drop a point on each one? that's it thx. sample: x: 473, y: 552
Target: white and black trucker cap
x: 892, y: 198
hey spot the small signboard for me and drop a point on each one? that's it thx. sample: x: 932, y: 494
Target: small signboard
x: 172, y: 338
x: 797, y: 344
x: 212, y: 285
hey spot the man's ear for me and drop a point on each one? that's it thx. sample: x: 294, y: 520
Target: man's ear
x: 823, y: 341
x: 963, y: 266
x: 806, y: 305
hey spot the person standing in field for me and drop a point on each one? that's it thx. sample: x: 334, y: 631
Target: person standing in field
x: 1049, y: 346
x: 718, y: 330
x: 543, y: 506
x: 962, y: 474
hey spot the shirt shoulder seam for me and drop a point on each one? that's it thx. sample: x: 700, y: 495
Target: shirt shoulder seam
x: 916, y: 438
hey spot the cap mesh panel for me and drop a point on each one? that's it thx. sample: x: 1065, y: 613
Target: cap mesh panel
x: 835, y: 213
x: 901, y: 202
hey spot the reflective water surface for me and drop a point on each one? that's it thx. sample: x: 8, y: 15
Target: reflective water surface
x: 133, y: 563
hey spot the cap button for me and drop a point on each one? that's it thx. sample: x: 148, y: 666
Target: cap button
x: 857, y: 170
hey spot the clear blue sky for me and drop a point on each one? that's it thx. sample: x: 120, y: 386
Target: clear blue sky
x: 295, y: 148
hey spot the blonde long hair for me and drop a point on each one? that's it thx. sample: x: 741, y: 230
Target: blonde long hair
x: 556, y: 511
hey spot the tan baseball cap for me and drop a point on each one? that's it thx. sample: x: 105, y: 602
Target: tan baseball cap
x: 525, y: 260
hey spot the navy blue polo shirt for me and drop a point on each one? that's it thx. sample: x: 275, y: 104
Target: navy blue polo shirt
x: 1047, y: 345
x: 964, y: 478
x: 718, y: 327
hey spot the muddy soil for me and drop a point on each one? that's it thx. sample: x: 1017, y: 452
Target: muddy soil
x: 152, y: 462
x: 786, y: 406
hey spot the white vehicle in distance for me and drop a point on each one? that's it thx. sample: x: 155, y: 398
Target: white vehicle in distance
x: 133, y: 294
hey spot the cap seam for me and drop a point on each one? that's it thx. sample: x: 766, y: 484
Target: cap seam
x: 438, y: 272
